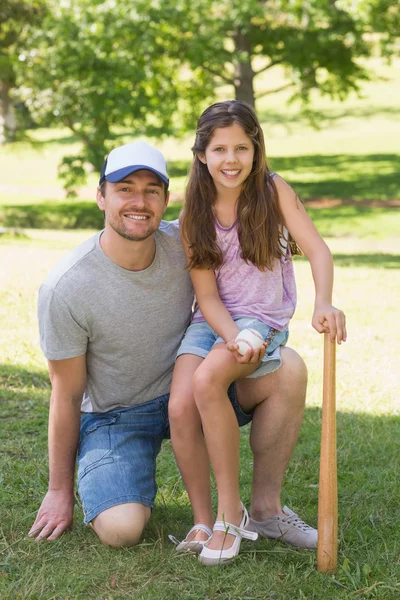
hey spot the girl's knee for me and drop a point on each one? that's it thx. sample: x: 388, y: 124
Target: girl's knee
x: 206, y: 383
x: 201, y: 382
x: 183, y: 412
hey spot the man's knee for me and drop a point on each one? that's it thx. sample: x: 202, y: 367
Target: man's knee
x: 294, y: 366
x: 121, y: 525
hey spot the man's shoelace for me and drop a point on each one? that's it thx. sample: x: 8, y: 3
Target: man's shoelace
x: 296, y: 521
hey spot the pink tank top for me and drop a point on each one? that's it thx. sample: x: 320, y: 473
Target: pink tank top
x: 248, y: 292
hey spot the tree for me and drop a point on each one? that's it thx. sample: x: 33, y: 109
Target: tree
x: 17, y: 17
x: 234, y: 41
x: 100, y: 68
x: 382, y: 17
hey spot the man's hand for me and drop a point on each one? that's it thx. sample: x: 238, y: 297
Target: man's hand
x: 54, y: 517
x: 251, y: 357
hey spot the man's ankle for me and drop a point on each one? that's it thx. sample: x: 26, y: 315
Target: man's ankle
x: 264, y: 510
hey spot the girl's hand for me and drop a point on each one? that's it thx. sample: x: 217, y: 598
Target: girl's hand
x: 328, y: 319
x: 251, y: 357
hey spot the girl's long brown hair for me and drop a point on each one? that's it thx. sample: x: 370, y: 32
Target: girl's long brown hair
x: 259, y: 217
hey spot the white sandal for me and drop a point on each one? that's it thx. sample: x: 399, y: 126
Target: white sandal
x: 212, y: 558
x: 192, y: 546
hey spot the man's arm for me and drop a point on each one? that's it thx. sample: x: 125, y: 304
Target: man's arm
x: 68, y: 381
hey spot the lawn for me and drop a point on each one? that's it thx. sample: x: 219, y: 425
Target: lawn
x: 353, y: 159
x: 77, y: 566
x: 353, y: 152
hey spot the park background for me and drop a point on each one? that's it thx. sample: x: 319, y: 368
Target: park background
x: 77, y: 78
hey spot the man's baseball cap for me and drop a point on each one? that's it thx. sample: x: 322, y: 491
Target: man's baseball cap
x: 127, y: 159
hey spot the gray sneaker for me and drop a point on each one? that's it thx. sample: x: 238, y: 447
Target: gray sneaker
x: 287, y: 528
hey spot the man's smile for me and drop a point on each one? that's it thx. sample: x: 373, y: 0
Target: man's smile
x: 137, y: 217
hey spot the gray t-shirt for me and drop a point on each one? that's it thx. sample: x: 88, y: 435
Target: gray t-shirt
x: 129, y: 323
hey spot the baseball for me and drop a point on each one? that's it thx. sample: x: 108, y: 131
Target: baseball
x: 248, y: 339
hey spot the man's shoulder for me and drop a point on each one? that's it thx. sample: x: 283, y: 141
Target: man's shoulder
x: 170, y: 228
x: 168, y: 232
x: 66, y: 268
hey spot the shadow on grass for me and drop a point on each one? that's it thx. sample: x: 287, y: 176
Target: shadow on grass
x: 359, y: 436
x: 178, y: 168
x: 53, y: 215
x: 368, y: 448
x: 372, y: 260
x: 21, y: 390
x: 12, y: 376
x: 356, y: 177
x: 368, y: 451
x: 61, y: 215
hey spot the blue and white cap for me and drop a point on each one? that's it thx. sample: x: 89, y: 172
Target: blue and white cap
x: 127, y: 159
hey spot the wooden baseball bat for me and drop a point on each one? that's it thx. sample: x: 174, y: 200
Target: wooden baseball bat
x: 328, y: 495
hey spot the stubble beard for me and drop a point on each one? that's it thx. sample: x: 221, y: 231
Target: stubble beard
x: 129, y: 236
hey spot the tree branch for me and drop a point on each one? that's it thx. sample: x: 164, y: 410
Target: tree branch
x: 271, y: 64
x: 69, y: 123
x: 275, y: 91
x: 223, y: 77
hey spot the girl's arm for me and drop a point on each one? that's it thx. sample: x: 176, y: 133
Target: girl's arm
x: 211, y: 306
x: 326, y: 317
x: 216, y: 314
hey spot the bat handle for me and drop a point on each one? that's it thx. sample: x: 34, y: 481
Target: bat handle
x: 328, y: 496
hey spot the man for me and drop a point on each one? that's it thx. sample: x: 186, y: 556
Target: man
x: 111, y: 316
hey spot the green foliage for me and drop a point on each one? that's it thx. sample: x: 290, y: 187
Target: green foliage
x: 150, y: 67
x: 72, y: 171
x: 234, y: 41
x: 97, y: 67
x: 382, y: 17
x: 17, y: 19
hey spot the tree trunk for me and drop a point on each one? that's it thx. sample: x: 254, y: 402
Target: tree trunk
x: 8, y: 122
x: 244, y: 74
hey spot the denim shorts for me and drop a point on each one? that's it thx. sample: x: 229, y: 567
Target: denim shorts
x: 200, y: 338
x: 118, y: 450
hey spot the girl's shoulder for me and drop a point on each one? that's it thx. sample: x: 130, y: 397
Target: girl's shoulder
x: 281, y: 185
x: 275, y: 177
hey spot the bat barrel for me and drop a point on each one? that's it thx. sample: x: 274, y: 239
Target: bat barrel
x: 328, y: 496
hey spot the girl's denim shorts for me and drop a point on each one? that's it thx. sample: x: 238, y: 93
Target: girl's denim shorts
x: 200, y: 338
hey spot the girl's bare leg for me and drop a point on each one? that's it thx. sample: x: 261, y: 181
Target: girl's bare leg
x: 278, y: 400
x: 210, y: 384
x: 188, y: 442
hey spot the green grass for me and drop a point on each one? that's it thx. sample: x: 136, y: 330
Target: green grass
x: 352, y: 157
x: 352, y: 154
x: 368, y: 423
x: 353, y: 220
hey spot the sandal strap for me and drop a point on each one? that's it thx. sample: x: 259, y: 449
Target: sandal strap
x: 196, y: 527
x: 202, y: 527
x: 234, y: 530
x: 174, y: 540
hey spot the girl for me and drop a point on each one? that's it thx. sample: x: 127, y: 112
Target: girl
x: 240, y: 225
